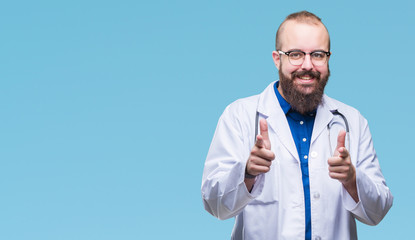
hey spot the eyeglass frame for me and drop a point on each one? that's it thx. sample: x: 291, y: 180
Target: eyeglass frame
x: 305, y: 53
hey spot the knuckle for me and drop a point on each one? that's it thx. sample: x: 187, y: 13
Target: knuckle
x: 253, y: 169
x: 254, y: 160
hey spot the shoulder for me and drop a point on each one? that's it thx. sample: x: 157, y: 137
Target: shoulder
x: 241, y: 112
x: 352, y: 114
x: 247, y: 104
x: 340, y: 106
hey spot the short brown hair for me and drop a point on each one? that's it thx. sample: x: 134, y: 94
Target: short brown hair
x: 303, y: 17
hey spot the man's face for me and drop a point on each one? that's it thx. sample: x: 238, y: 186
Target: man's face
x: 302, y: 85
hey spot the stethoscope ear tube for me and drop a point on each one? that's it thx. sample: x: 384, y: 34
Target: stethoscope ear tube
x: 256, y: 125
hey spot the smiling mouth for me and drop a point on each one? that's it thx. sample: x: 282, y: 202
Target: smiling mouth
x: 306, y: 79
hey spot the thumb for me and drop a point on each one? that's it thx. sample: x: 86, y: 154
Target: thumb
x: 263, y: 128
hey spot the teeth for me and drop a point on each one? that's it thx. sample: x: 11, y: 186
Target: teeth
x: 306, y: 78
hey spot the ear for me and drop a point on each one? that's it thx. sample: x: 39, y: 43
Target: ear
x: 276, y: 58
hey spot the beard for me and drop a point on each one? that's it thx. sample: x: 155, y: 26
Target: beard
x: 301, y: 101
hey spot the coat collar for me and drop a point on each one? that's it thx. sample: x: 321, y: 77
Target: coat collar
x: 270, y: 109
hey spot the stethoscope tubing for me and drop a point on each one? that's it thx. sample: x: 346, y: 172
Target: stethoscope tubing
x: 334, y: 112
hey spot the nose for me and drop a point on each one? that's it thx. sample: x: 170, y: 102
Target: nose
x: 307, y: 64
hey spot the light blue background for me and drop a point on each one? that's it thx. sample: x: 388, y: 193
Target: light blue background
x: 108, y: 107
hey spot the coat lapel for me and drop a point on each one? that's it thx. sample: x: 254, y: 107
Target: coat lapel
x: 270, y: 109
x: 323, y: 117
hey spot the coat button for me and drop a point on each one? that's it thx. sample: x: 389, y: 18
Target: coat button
x: 316, y: 195
x: 317, y: 238
x: 314, y: 154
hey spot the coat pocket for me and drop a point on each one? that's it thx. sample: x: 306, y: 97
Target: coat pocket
x: 270, y: 190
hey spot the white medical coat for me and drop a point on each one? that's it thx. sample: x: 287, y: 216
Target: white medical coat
x: 275, y: 209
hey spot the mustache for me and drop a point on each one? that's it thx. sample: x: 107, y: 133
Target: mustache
x: 310, y: 73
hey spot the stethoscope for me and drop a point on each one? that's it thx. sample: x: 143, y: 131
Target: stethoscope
x: 329, y: 127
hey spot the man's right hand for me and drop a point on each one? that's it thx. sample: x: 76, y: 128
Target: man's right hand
x: 261, y: 155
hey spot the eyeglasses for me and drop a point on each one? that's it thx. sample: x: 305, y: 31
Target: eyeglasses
x: 296, y: 57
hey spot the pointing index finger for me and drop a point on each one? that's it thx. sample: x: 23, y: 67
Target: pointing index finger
x: 263, y: 127
x: 341, y: 139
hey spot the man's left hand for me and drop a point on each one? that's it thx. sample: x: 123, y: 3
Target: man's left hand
x: 341, y: 167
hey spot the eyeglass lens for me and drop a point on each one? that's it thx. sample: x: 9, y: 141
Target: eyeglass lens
x: 317, y: 58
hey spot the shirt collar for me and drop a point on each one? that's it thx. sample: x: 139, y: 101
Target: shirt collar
x: 285, y: 106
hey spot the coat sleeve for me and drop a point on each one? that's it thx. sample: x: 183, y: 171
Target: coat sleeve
x: 223, y: 189
x: 375, y: 198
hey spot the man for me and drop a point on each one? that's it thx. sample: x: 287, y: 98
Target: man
x: 303, y: 176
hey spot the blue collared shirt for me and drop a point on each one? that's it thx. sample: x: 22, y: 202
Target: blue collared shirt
x: 301, y: 129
